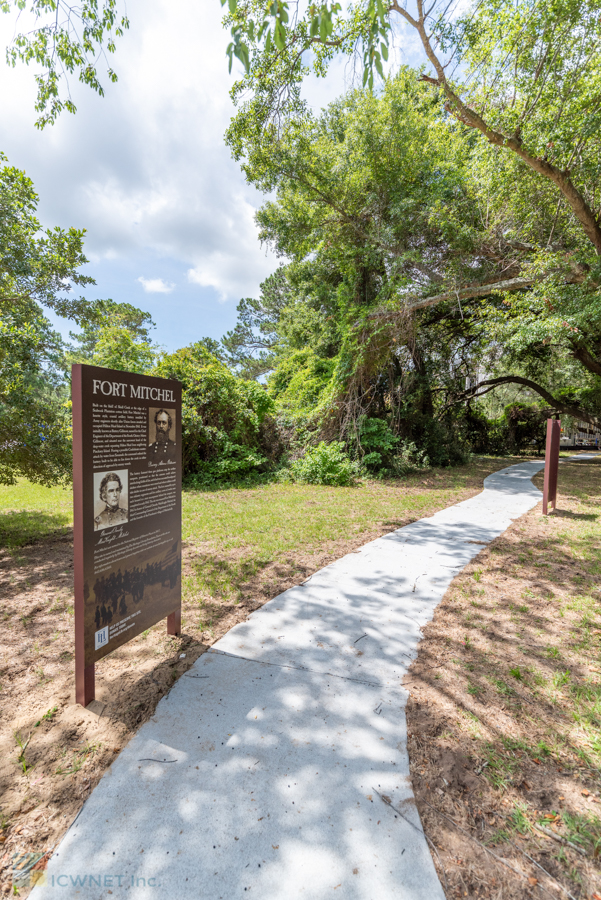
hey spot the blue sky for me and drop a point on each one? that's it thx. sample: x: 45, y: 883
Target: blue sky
x: 168, y: 214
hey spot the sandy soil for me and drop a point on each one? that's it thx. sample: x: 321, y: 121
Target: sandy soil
x: 504, y: 714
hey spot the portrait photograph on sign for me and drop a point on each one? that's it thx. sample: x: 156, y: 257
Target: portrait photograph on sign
x: 110, y: 499
x: 162, y: 444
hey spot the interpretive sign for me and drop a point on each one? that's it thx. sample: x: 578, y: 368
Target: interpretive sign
x: 127, y: 476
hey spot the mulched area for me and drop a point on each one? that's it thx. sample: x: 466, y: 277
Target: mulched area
x: 504, y: 715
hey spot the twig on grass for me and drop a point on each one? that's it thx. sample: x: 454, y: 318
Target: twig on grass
x: 500, y: 858
x: 538, y: 865
x: 559, y: 838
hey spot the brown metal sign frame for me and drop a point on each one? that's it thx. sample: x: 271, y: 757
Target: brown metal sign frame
x: 551, y: 465
x: 95, y: 392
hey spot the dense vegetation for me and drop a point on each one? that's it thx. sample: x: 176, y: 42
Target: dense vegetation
x: 440, y: 242
x: 377, y: 200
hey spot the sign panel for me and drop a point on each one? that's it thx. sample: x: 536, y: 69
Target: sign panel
x: 127, y: 475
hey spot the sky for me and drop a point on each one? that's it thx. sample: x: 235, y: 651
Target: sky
x: 145, y: 170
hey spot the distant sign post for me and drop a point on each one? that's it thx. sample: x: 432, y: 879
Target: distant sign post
x: 127, y: 476
x: 551, y: 465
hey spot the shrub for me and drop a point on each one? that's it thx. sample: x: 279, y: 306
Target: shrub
x: 409, y: 458
x: 223, y: 418
x: 377, y: 441
x: 325, y: 464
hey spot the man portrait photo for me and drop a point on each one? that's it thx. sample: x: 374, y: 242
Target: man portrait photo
x: 161, y: 428
x: 111, y: 499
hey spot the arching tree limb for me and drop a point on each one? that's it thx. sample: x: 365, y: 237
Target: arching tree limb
x: 472, y: 291
x: 476, y: 290
x: 559, y: 405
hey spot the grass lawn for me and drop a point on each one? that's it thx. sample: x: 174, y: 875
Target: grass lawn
x: 30, y: 512
x: 505, y: 709
x: 250, y: 543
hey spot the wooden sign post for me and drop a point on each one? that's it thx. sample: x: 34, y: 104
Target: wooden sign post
x: 551, y: 465
x: 127, y: 478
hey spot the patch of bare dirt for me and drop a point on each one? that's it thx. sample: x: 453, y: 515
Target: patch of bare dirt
x: 504, y: 714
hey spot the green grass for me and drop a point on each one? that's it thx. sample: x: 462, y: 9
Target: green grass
x: 29, y: 512
x: 270, y: 519
x: 238, y: 532
x: 275, y: 519
x: 233, y: 534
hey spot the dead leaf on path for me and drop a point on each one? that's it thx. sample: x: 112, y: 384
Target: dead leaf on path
x: 533, y: 881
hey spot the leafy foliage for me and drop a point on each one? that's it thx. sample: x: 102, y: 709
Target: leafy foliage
x: 36, y: 267
x: 325, y: 464
x: 65, y: 40
x: 250, y: 346
x: 377, y: 442
x: 117, y: 336
x: 35, y: 421
x: 223, y: 417
x: 36, y: 264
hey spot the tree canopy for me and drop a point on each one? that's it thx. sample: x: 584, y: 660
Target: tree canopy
x: 438, y: 233
x: 523, y: 75
x: 116, y: 336
x: 64, y: 39
x: 38, y: 270
x: 386, y: 207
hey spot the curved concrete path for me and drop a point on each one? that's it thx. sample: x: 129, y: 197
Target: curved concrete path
x: 277, y: 767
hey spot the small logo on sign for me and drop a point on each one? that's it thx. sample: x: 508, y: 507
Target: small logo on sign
x: 101, y: 637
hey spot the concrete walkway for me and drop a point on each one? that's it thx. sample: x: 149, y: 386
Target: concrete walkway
x: 277, y: 767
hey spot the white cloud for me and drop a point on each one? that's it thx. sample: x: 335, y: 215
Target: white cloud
x: 145, y: 169
x: 156, y: 285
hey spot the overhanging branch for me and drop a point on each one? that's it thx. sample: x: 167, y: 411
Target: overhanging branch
x: 559, y: 405
x: 468, y: 116
x: 476, y: 290
x: 471, y: 292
